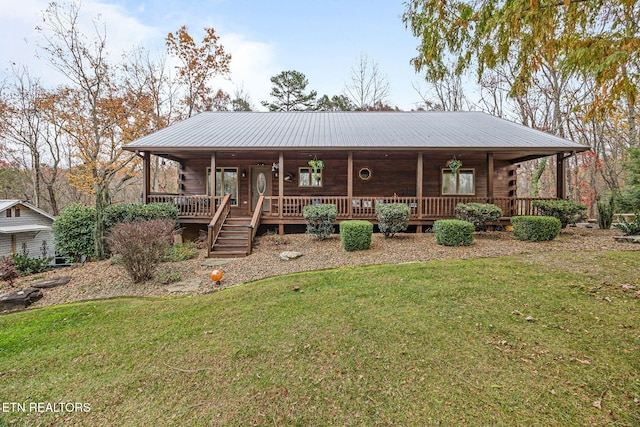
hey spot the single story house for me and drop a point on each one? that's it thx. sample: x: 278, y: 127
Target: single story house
x: 269, y: 165
x: 25, y: 229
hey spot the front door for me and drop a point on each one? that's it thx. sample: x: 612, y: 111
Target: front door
x: 260, y: 186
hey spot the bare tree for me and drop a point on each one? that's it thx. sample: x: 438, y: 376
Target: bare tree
x: 33, y: 133
x: 241, y: 100
x: 446, y: 94
x: 368, y: 87
x: 152, y: 74
x: 104, y: 108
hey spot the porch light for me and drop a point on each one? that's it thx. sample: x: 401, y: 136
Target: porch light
x: 244, y: 173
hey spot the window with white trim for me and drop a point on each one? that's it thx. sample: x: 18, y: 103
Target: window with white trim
x: 462, y: 183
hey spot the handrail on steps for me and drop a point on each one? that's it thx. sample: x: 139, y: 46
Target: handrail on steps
x: 216, y: 222
x: 255, y: 223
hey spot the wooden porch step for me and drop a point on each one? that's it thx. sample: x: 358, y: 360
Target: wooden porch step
x: 232, y: 239
x: 228, y: 254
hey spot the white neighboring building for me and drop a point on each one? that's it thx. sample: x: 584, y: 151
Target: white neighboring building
x: 24, y: 227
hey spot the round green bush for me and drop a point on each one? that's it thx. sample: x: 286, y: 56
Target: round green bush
x: 478, y: 214
x: 566, y: 211
x: 536, y: 228
x: 319, y: 219
x: 392, y: 218
x: 453, y: 232
x: 128, y: 212
x: 73, y: 231
x: 356, y: 235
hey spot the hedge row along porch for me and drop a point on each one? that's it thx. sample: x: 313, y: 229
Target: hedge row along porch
x: 268, y: 166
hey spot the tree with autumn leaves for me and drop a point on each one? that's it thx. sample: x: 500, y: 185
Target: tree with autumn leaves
x: 199, y: 64
x: 107, y: 105
x: 570, y: 67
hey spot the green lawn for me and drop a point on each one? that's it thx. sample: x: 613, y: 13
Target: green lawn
x: 530, y: 340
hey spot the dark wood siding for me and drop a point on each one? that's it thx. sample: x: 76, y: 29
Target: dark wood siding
x: 392, y: 173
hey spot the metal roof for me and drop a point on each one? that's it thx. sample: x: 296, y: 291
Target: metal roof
x: 23, y: 229
x: 349, y: 130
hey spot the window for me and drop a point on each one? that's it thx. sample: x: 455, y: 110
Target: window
x: 226, y: 183
x: 8, y: 211
x: 17, y: 212
x: 462, y: 183
x: 364, y: 174
x: 306, y: 178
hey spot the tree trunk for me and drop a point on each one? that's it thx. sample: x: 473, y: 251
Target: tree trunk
x: 102, y: 201
x: 536, y: 178
x: 52, y: 200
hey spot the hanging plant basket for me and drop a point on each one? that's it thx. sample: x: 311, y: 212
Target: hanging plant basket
x: 454, y: 164
x: 316, y: 166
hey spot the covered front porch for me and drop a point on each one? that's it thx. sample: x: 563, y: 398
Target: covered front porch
x: 353, y: 181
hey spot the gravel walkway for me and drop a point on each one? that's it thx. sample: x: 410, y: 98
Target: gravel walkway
x: 103, y: 280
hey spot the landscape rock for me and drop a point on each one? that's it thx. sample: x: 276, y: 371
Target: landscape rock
x: 185, y: 286
x: 51, y: 283
x: 630, y: 239
x: 288, y: 255
x: 19, y: 299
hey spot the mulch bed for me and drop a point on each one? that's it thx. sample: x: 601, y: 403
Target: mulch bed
x: 104, y: 280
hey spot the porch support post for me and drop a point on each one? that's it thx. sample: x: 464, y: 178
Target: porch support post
x: 560, y: 176
x: 212, y: 184
x: 280, y: 190
x: 490, y: 171
x: 146, y: 176
x: 350, y: 183
x: 419, y: 179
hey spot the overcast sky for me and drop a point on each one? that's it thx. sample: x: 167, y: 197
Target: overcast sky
x: 322, y: 39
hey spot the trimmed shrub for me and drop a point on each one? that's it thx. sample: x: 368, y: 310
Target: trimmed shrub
x: 629, y: 228
x: 536, y: 228
x: 478, y: 214
x: 392, y: 218
x: 128, y: 212
x: 453, y: 232
x: 141, y: 244
x: 605, y: 213
x: 73, y: 231
x: 27, y: 265
x: 356, y: 235
x: 320, y: 219
x: 566, y: 211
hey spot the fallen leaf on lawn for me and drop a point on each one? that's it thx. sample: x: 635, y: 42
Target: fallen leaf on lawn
x: 597, y: 404
x: 584, y: 362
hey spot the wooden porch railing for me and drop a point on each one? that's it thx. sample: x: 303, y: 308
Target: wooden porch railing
x: 255, y: 223
x: 359, y: 207
x: 424, y: 208
x: 216, y: 223
x: 188, y: 206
